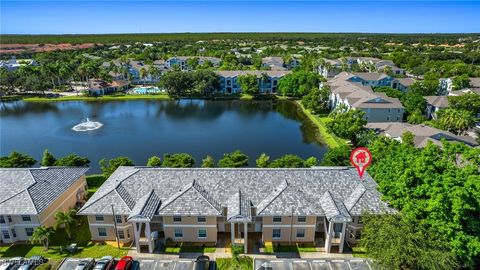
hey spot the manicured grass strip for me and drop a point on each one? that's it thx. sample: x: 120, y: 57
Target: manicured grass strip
x: 295, y: 248
x: 359, y: 252
x: 186, y: 248
x: 330, y: 139
x: 239, y: 263
x: 100, y: 98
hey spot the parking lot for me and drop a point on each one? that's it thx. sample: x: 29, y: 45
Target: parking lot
x: 298, y: 264
x: 180, y: 264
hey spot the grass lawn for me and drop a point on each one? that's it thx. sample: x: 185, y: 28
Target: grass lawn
x: 94, y: 182
x: 330, y: 139
x: 187, y: 248
x: 81, y: 236
x: 295, y: 248
x: 359, y: 252
x: 100, y: 98
x: 240, y: 263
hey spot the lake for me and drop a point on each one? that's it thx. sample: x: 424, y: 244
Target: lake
x: 139, y: 129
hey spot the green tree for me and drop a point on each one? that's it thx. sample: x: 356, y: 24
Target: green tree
x: 311, y: 162
x: 154, y: 161
x: 108, y: 167
x: 428, y: 87
x: 397, y: 243
x: 42, y: 235
x: 298, y: 83
x: 72, y: 160
x: 249, y: 84
x: 48, y: 159
x: 413, y: 102
x: 208, y: 162
x: 288, y: 161
x: 179, y: 160
x: 236, y: 159
x: 455, y: 120
x: 416, y: 117
x: 262, y: 161
x: 317, y: 100
x: 408, y: 138
x: 460, y: 82
x: 176, y: 82
x: 337, y: 156
x: 429, y: 188
x: 66, y: 220
x: 348, y: 124
x: 469, y: 102
x: 17, y: 160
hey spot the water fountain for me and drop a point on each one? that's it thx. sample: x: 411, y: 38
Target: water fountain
x: 87, y: 125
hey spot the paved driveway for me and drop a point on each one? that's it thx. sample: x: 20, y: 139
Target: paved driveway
x: 327, y: 264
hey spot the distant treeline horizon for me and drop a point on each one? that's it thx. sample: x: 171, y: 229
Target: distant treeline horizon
x: 124, y: 38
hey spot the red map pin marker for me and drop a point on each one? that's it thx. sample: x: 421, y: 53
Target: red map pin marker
x: 361, y: 159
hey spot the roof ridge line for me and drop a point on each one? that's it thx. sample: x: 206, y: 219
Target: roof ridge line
x: 148, y: 198
x: 218, y: 207
x: 275, y: 197
x: 91, y: 202
x: 175, y: 196
x: 364, y: 189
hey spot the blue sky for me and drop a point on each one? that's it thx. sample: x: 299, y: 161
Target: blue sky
x: 88, y: 17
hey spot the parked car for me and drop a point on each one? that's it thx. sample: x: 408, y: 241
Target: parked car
x: 202, y: 263
x: 125, y: 263
x: 6, y: 265
x: 16, y: 263
x: 37, y: 260
x: 105, y: 263
x: 85, y: 264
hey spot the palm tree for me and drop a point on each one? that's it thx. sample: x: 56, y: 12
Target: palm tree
x: 143, y: 74
x: 42, y: 235
x: 65, y: 219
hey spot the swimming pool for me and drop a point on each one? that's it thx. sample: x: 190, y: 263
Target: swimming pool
x: 146, y: 90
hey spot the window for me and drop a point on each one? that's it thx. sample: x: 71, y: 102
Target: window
x: 178, y: 233
x: 118, y: 219
x: 102, y: 232
x: 202, y: 233
x: 99, y: 218
x: 177, y: 219
x: 121, y: 234
x: 26, y: 218
x: 276, y: 233
x: 6, y: 235
x: 14, y: 233
x: 301, y: 218
x: 9, y: 218
x: 300, y: 233
x: 29, y: 231
x: 128, y: 234
x: 277, y: 219
x: 2, y: 219
x: 201, y: 219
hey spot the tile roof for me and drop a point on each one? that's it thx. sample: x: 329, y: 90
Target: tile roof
x: 334, y: 209
x: 422, y: 133
x: 475, y: 82
x: 32, y: 190
x: 208, y: 191
x: 360, y: 96
x: 239, y: 208
x: 146, y: 207
x: 437, y: 101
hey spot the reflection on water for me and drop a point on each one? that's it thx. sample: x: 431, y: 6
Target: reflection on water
x: 142, y: 128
